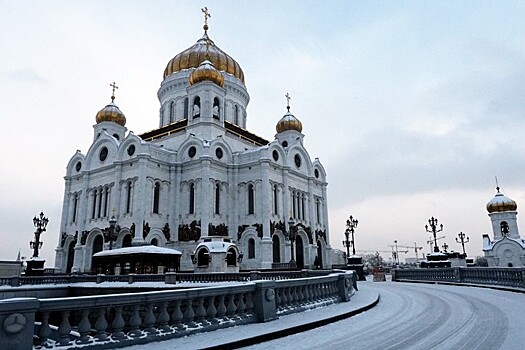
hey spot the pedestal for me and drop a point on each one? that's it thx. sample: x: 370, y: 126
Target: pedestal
x: 35, y: 267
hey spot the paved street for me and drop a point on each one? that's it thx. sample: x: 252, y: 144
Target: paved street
x: 423, y: 316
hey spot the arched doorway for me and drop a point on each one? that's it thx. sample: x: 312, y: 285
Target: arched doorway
x: 98, y: 246
x: 320, y: 253
x: 126, y: 241
x: 231, y: 258
x: 299, y: 252
x: 70, y: 256
x: 276, y: 248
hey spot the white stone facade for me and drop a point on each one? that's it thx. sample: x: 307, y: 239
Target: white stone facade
x: 507, y: 248
x: 201, y: 173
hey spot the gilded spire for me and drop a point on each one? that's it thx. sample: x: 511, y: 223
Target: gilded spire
x: 206, y: 16
x: 114, y: 86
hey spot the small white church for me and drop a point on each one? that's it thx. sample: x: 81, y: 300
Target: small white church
x: 200, y: 174
x: 507, y: 248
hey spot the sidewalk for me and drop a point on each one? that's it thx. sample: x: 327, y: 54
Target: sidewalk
x: 240, y: 336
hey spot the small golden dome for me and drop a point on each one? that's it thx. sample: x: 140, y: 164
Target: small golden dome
x: 193, y: 56
x: 289, y: 122
x: 111, y: 113
x: 207, y: 72
x: 501, y: 203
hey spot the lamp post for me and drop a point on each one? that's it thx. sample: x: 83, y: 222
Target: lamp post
x: 291, y: 236
x: 433, y: 222
x: 396, y: 258
x: 40, y: 223
x: 112, y: 225
x: 347, y: 242
x: 462, y: 239
x: 351, y: 224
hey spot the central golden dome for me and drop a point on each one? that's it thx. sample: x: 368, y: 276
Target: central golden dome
x: 195, y: 55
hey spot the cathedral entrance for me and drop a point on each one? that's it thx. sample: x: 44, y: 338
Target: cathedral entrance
x: 70, y: 256
x: 299, y: 252
x: 98, y: 246
x: 276, y: 248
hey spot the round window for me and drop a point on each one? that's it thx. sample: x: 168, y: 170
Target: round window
x: 275, y: 155
x: 297, y: 160
x: 116, y: 136
x: 103, y: 154
x: 192, y: 152
x: 285, y: 144
x: 316, y: 173
x: 78, y: 166
x: 218, y: 152
x: 131, y: 150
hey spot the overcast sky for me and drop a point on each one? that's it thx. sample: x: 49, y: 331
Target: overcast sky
x: 412, y: 106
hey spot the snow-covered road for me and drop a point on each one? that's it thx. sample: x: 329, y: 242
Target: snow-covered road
x: 423, y: 316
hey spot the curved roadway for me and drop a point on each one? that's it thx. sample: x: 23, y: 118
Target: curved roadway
x: 422, y: 316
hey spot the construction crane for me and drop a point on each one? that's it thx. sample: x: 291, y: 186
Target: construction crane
x: 415, y: 247
x: 431, y: 241
x: 393, y: 252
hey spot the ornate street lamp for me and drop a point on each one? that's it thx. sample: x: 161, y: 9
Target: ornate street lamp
x: 351, y: 224
x: 40, y: 223
x: 433, y: 222
x: 112, y: 226
x: 291, y: 235
x: 396, y: 258
x: 462, y: 239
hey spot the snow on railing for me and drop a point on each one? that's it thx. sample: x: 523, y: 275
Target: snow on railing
x: 118, y: 320
x: 505, y: 276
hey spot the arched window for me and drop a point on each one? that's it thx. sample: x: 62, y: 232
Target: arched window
x: 203, y: 257
x: 231, y: 257
x: 100, y: 191
x: 275, y: 201
x: 75, y: 206
x: 251, y: 248
x: 504, y: 228
x: 172, y: 111
x: 251, y: 195
x: 106, y: 200
x: 155, y: 242
x: 94, y: 211
x: 192, y: 199
x: 294, y: 207
x: 217, y: 198
x: 236, y: 115
x: 216, y: 109
x: 128, y: 197
x: 186, y: 107
x: 196, y: 107
x: 318, y: 209
x: 302, y: 207
x: 156, y: 197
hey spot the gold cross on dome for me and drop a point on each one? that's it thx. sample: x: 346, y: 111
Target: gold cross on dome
x: 206, y: 15
x: 288, y: 98
x: 114, y: 86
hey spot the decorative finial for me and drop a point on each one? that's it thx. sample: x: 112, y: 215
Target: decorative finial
x: 497, y: 185
x: 114, y: 86
x: 288, y: 98
x: 206, y: 16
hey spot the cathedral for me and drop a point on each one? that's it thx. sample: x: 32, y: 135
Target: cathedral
x: 507, y: 248
x: 200, y: 175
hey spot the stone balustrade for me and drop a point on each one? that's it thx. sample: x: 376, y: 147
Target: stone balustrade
x: 118, y: 320
x: 504, y: 276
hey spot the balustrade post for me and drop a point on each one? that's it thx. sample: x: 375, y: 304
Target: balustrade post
x: 101, y: 325
x: 255, y: 276
x: 149, y: 321
x: 64, y: 329
x: 264, y: 301
x: 170, y: 278
x: 343, y: 284
x: 118, y: 324
x: 164, y: 317
x: 17, y: 319
x: 177, y: 316
x: 84, y: 327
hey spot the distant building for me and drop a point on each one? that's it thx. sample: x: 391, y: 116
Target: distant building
x: 200, y: 174
x: 507, y: 248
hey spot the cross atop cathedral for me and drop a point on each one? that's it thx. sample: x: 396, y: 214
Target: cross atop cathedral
x: 114, y: 86
x: 497, y: 184
x: 206, y: 15
x: 288, y: 98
